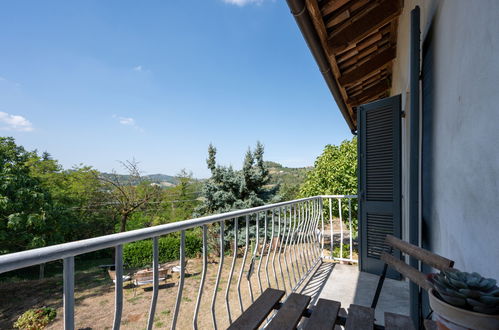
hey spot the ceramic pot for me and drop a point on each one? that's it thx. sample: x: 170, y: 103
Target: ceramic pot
x: 455, y: 318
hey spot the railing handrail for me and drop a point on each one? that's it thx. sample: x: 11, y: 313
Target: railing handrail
x: 38, y: 256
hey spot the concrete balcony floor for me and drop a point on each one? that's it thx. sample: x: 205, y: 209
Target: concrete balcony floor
x: 348, y: 285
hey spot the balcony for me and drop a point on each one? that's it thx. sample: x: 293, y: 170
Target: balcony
x: 304, y: 246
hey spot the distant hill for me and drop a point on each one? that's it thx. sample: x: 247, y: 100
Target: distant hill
x: 286, y: 175
x: 161, y: 179
x: 279, y: 175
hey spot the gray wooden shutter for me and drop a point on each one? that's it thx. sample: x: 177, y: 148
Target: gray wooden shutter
x: 379, y: 180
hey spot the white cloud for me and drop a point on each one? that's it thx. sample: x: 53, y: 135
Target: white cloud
x: 241, y: 3
x: 14, y: 123
x: 138, y: 68
x: 128, y: 121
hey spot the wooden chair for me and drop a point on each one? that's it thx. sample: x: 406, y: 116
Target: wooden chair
x: 414, y: 275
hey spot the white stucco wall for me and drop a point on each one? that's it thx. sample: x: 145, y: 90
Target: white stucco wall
x: 465, y: 214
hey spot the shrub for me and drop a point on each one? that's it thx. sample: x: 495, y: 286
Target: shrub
x: 36, y: 318
x: 139, y: 254
x: 346, y: 251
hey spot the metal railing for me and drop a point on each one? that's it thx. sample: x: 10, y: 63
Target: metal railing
x: 280, y: 245
x: 339, y: 231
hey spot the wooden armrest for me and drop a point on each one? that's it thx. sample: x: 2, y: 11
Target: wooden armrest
x: 412, y: 273
x: 429, y: 258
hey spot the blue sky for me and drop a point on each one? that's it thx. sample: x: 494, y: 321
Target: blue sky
x: 95, y: 82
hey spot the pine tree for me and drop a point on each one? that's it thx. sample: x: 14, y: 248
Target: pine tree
x: 229, y: 190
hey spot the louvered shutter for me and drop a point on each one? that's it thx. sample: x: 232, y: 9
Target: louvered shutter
x: 379, y: 180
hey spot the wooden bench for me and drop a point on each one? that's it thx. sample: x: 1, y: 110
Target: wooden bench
x: 414, y: 275
x: 259, y: 310
x: 324, y: 315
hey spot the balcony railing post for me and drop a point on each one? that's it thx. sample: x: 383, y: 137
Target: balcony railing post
x: 203, y: 276
x: 322, y: 227
x: 341, y: 227
x: 229, y: 280
x: 262, y: 253
x: 243, y: 264
x: 118, y: 288
x: 181, y: 282
x: 217, y: 281
x: 155, y: 281
x: 69, y: 287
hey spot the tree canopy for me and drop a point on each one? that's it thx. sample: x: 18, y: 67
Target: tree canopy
x: 334, y: 172
x: 228, y: 189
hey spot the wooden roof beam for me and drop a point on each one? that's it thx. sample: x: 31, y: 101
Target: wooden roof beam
x: 373, y: 64
x: 364, y: 23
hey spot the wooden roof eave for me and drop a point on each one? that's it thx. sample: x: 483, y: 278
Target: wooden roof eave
x: 358, y: 39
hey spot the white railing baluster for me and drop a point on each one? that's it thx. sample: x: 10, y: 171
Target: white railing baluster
x: 227, y: 303
x: 203, y: 277
x: 322, y: 228
x: 350, y: 225
x: 155, y: 281
x: 341, y: 227
x: 118, y: 291
x: 69, y: 286
x: 181, y: 282
x: 331, y: 226
x: 272, y: 246
x: 262, y: 253
x: 279, y: 242
x: 286, y: 252
x: 242, y: 266
x: 294, y: 241
x: 217, y: 281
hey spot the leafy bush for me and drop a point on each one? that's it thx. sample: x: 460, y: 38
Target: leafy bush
x: 335, y: 173
x: 34, y: 319
x: 139, y: 254
x: 346, y: 251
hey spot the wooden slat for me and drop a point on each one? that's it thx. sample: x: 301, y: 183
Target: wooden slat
x: 398, y: 322
x: 360, y: 317
x: 429, y: 258
x: 378, y: 88
x: 387, y: 11
x: 373, y: 64
x: 290, y: 313
x: 332, y: 5
x: 258, y: 311
x: 412, y: 273
x: 430, y: 325
x: 324, y: 315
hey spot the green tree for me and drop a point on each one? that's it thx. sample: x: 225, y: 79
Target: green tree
x: 180, y: 202
x: 80, y: 203
x: 334, y: 173
x: 26, y: 219
x: 228, y: 189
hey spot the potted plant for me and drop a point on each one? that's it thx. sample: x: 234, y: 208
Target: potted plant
x: 461, y: 300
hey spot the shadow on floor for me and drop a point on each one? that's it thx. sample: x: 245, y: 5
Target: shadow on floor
x: 317, y: 281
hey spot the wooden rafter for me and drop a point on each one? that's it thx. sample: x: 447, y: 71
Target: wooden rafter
x: 364, y: 23
x: 373, y: 64
x: 378, y: 88
x: 359, y: 40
